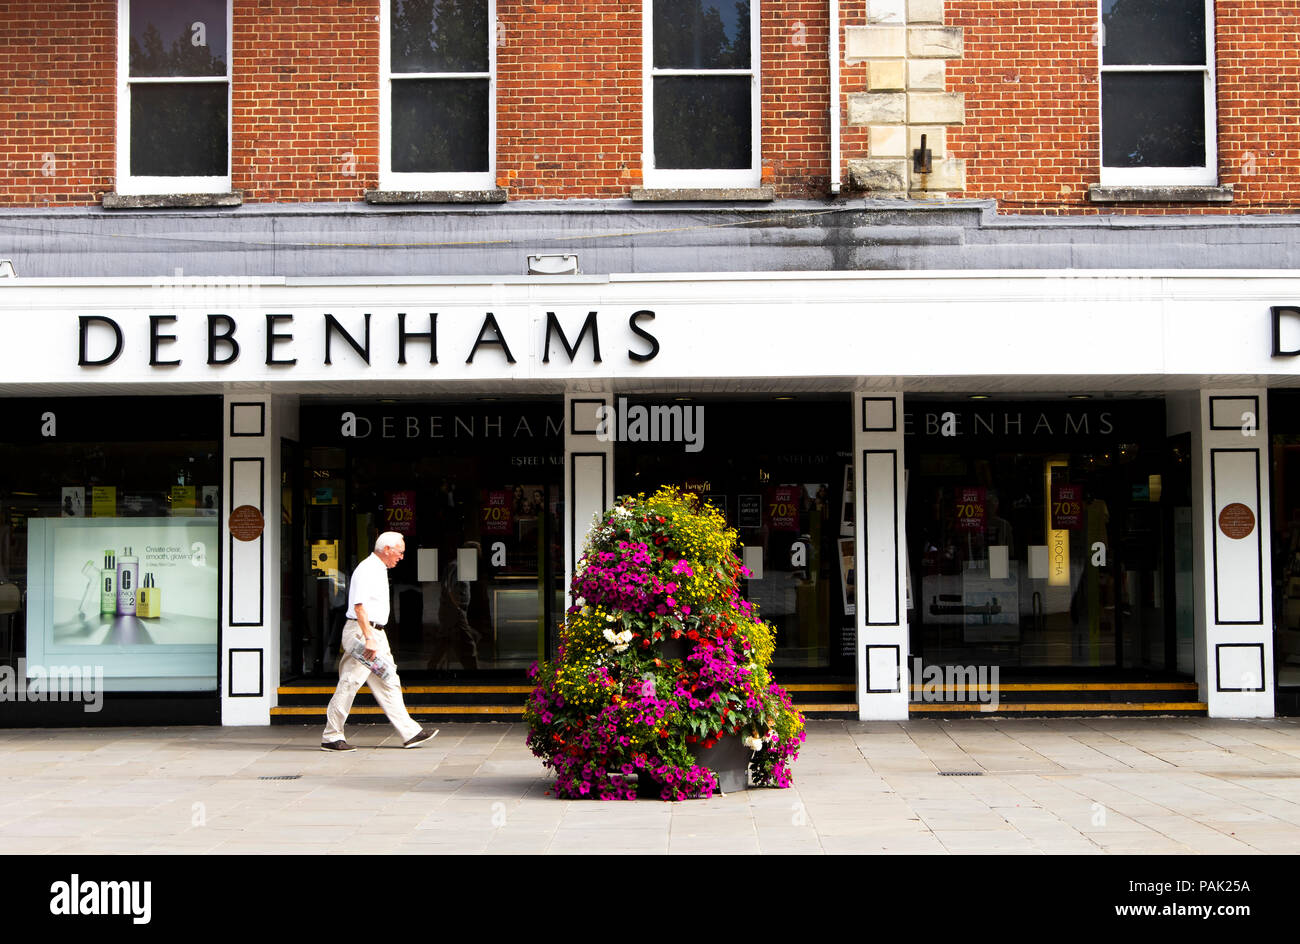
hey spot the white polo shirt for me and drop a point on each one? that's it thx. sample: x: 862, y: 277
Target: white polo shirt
x: 370, y: 589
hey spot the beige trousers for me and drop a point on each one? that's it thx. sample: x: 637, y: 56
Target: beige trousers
x: 352, y: 675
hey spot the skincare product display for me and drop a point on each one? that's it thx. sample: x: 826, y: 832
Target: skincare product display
x: 128, y: 579
x: 108, y: 585
x: 149, y: 602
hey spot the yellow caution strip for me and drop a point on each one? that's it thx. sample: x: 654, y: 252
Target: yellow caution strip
x: 1062, y: 706
x: 837, y: 707
x: 412, y: 709
x: 814, y: 687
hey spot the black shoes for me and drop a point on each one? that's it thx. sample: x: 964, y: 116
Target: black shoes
x: 336, y: 746
x: 420, y: 738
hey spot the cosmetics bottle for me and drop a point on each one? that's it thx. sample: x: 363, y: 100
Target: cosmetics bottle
x: 149, y: 603
x: 108, y: 585
x: 128, y: 579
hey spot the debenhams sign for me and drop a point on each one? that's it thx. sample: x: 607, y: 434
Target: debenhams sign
x: 101, y: 339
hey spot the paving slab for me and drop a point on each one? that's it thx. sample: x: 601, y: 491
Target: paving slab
x: 1083, y: 786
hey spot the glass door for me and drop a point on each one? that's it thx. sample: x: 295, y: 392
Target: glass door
x: 476, y: 491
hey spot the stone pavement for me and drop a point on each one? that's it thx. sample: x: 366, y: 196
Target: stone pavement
x: 1078, y: 786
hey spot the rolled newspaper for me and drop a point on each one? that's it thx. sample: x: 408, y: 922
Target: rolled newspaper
x: 376, y: 665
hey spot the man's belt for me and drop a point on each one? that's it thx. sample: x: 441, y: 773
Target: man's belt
x: 372, y: 625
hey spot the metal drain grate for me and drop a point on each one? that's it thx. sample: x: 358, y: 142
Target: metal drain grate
x: 282, y: 777
x: 961, y: 773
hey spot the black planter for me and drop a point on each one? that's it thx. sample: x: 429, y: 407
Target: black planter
x: 729, y: 761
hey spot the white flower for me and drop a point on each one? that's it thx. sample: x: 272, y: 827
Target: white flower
x: 610, y: 636
x: 621, y: 512
x: 611, y: 618
x: 753, y: 743
x: 580, y: 602
x: 621, y: 648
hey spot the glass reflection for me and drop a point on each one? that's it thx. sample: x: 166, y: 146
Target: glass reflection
x: 1153, y: 32
x: 175, y: 39
x: 439, y: 36
x: 701, y: 34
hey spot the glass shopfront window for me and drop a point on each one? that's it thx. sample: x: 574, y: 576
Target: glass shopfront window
x: 109, y: 546
x: 1284, y: 429
x: 476, y: 490
x: 781, y: 472
x: 1047, y: 534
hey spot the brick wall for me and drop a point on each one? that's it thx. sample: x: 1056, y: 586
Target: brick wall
x: 305, y: 99
x: 57, y: 71
x: 569, y: 101
x: 796, y: 119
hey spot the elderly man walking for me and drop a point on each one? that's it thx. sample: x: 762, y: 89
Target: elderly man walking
x: 367, y: 613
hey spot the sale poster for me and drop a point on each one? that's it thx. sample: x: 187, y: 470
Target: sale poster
x: 399, y: 512
x: 1067, y: 507
x: 971, y: 509
x: 103, y: 501
x: 496, y: 511
x: 783, y: 508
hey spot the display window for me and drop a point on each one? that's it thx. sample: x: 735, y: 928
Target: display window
x: 476, y: 490
x: 1048, y: 534
x: 109, y: 549
x: 1284, y: 408
x: 780, y: 471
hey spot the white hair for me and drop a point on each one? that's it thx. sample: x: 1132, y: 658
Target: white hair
x: 388, y: 539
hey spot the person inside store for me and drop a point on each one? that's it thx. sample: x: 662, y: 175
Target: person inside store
x: 454, y: 631
x: 364, y: 637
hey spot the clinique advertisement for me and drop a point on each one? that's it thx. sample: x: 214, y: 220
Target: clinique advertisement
x: 135, y: 595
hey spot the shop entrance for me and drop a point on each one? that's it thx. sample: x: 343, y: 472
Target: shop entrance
x: 1284, y: 430
x: 1049, y: 537
x: 780, y: 471
x: 476, y: 490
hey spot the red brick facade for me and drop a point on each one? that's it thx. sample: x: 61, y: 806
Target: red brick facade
x: 305, y: 102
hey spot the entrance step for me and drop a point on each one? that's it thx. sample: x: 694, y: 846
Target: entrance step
x: 306, y: 702
x: 1023, y: 699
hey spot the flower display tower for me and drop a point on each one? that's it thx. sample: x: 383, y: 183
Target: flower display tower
x: 661, y: 663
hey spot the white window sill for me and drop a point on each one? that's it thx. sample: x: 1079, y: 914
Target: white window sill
x: 154, y: 201
x: 1142, y: 193
x: 491, y: 195
x: 724, y: 194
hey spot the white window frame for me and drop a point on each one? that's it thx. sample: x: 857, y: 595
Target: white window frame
x: 388, y: 179
x: 1205, y: 175
x: 138, y: 185
x: 697, y: 178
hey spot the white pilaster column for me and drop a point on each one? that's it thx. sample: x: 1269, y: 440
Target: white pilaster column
x: 1234, y: 618
x: 588, y: 468
x: 881, y: 612
x: 250, y: 559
